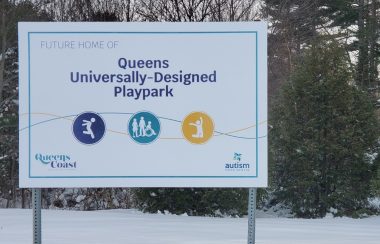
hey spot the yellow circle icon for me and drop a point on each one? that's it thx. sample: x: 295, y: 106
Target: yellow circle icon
x: 197, y: 127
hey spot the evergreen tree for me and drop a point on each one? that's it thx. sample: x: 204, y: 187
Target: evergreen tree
x: 324, y: 128
x: 295, y: 24
x: 195, y: 201
x: 345, y: 14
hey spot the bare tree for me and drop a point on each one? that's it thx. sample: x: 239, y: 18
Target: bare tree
x: 239, y: 10
x: 198, y: 10
x: 88, y: 10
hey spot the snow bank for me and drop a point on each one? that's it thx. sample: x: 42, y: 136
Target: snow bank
x: 131, y: 226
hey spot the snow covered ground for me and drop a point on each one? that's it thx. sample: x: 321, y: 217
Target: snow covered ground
x: 133, y: 227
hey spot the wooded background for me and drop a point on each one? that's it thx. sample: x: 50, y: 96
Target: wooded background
x: 323, y: 63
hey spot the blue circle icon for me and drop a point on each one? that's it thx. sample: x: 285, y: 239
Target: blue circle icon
x: 89, y: 128
x: 144, y: 127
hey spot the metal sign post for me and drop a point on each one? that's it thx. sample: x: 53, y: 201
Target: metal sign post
x: 36, y: 198
x: 252, y: 215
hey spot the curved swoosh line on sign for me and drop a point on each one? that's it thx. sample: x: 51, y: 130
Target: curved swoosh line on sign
x: 240, y: 137
x: 179, y: 138
x: 219, y: 133
x: 235, y: 131
x: 45, y: 121
x: 123, y: 133
x: 60, y: 117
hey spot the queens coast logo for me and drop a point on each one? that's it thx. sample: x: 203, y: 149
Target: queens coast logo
x: 237, y: 164
x: 56, y: 161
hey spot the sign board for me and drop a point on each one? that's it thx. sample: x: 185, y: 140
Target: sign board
x: 143, y: 104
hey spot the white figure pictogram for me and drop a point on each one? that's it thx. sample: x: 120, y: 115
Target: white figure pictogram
x: 88, y: 124
x: 199, y: 126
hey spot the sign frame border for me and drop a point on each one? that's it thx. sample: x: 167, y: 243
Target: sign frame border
x: 139, y: 32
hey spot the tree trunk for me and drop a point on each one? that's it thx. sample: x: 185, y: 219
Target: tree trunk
x: 3, y: 33
x: 362, y: 71
x: 13, y: 183
x: 129, y: 15
x: 372, y: 44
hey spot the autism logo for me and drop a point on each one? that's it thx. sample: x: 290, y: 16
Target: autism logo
x: 237, y: 165
x: 237, y: 156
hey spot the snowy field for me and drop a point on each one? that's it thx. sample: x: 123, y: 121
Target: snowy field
x: 133, y: 227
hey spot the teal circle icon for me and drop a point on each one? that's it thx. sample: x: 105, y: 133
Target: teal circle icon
x: 144, y: 127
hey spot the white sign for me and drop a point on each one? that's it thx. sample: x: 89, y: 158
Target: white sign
x: 143, y: 104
